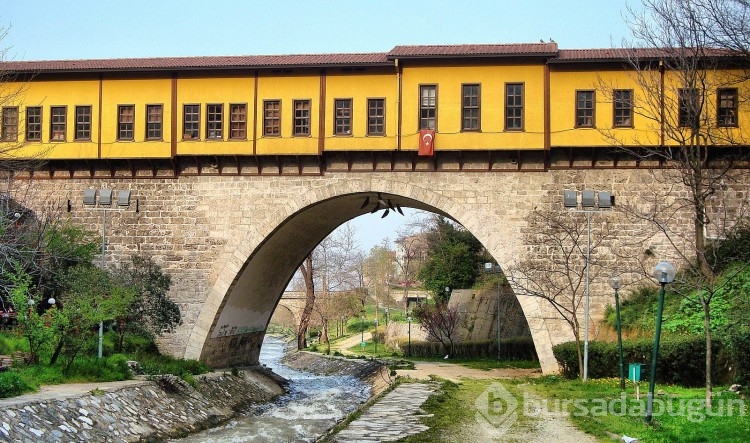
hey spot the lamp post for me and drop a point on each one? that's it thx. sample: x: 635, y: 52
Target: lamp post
x: 615, y: 283
x: 489, y: 268
x: 363, y: 333
x: 589, y: 203
x: 104, y: 204
x: 408, y: 320
x: 664, y: 273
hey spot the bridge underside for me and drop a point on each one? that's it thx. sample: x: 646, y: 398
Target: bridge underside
x: 237, y: 333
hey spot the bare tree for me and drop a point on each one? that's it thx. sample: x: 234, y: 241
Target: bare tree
x: 378, y: 266
x: 441, y: 322
x: 556, y: 271
x: 690, y: 69
x: 306, y: 270
x: 337, y: 268
x: 410, y: 255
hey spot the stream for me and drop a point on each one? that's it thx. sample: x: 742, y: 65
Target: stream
x: 312, y: 405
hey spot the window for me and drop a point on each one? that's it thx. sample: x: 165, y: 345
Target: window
x: 191, y: 122
x: 514, y: 107
x: 34, y: 123
x: 154, y: 122
x: 343, y: 116
x: 428, y: 107
x: 125, y: 119
x: 57, y: 123
x: 83, y: 123
x: 301, y: 118
x: 214, y: 121
x: 10, y: 124
x: 238, y: 122
x: 376, y: 116
x: 622, y: 101
x: 584, y: 109
x: 272, y: 118
x: 470, y: 110
x: 689, y: 107
x: 727, y: 107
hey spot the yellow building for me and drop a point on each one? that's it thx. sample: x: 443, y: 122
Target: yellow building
x: 514, y: 98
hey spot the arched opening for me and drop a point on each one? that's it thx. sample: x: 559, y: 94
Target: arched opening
x: 242, y: 313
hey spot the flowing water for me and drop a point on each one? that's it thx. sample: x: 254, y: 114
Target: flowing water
x: 312, y: 405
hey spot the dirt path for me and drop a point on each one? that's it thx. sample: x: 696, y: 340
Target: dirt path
x: 343, y: 345
x: 454, y: 372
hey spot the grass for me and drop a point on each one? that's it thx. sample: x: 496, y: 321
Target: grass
x: 382, y: 351
x: 452, y: 412
x: 87, y: 367
x: 592, y: 407
x: 684, y: 420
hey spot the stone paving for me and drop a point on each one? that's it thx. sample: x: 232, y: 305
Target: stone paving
x: 395, y: 416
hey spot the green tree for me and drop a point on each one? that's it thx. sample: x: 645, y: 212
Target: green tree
x: 454, y: 258
x: 151, y: 312
x: 90, y: 297
x: 31, y: 324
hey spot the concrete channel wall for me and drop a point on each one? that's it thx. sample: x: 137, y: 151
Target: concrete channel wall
x: 151, y: 410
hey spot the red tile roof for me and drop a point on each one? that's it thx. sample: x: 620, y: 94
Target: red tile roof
x: 622, y: 54
x: 189, y: 63
x: 504, y: 50
x: 543, y: 50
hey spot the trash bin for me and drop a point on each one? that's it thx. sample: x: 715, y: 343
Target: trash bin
x: 634, y: 371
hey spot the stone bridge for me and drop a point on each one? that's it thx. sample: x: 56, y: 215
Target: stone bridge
x: 232, y: 241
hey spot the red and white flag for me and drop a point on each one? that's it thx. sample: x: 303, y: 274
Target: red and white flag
x: 426, y: 142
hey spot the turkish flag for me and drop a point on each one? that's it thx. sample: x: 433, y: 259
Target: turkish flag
x: 426, y: 142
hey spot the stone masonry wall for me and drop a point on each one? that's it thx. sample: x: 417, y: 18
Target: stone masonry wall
x: 205, y: 230
x: 149, y: 411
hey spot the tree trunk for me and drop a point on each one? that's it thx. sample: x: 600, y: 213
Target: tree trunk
x: 325, y: 336
x: 580, y: 355
x: 709, y: 352
x: 56, y: 354
x: 306, y: 269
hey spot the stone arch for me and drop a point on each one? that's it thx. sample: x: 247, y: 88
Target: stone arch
x: 232, y: 321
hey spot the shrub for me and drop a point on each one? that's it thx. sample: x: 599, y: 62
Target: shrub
x: 13, y: 384
x: 112, y: 368
x: 162, y: 364
x: 737, y: 347
x: 681, y: 359
x: 521, y: 348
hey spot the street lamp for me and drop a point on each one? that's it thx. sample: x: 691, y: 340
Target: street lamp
x: 363, y: 333
x: 664, y: 273
x: 589, y: 203
x: 615, y: 283
x: 408, y: 320
x: 104, y: 204
x: 489, y: 268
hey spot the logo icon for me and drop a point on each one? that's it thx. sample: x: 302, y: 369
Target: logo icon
x: 496, y: 409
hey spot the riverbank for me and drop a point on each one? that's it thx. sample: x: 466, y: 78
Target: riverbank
x: 131, y: 411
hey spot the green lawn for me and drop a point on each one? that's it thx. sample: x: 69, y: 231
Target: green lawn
x: 594, y: 407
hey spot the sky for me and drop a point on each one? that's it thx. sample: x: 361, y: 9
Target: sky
x: 89, y: 29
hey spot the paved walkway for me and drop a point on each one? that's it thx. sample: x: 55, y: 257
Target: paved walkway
x: 395, y: 416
